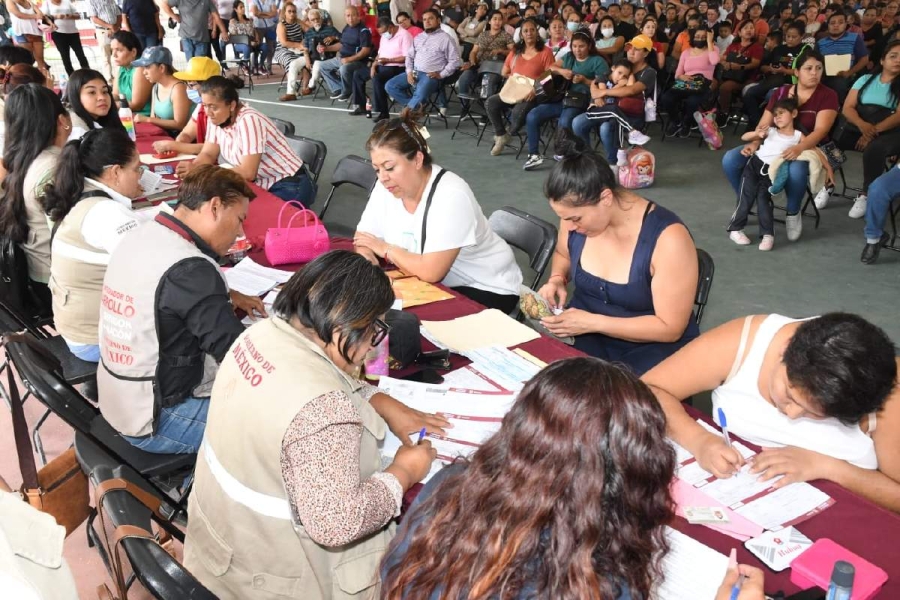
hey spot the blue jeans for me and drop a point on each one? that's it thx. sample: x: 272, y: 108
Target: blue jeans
x: 399, y: 89
x: 607, y: 129
x: 340, y: 77
x: 798, y: 177
x: 299, y: 187
x: 194, y: 48
x: 86, y: 352
x: 881, y: 192
x: 243, y: 51
x: 541, y: 113
x: 268, y: 49
x: 179, y: 430
x: 148, y: 41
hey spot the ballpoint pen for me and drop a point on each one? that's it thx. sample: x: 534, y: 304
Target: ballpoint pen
x: 421, y: 436
x: 724, y: 424
x: 736, y: 590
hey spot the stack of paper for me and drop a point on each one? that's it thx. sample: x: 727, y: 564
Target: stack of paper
x: 490, y: 327
x: 149, y: 159
x: 691, y: 570
x: 268, y: 302
x: 252, y: 279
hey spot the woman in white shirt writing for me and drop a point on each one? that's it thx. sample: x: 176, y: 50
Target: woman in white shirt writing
x: 427, y: 221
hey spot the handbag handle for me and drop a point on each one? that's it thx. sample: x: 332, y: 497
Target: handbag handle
x: 20, y: 427
x: 316, y: 222
x: 286, y: 204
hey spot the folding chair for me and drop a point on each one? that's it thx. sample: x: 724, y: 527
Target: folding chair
x: 240, y: 62
x: 311, y: 151
x: 704, y: 283
x: 285, y: 127
x: 354, y: 170
x: 468, y: 103
x: 431, y: 107
x: 532, y: 235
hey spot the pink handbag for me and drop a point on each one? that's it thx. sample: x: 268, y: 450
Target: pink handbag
x: 285, y: 245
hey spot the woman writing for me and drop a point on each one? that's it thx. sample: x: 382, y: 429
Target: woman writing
x: 130, y: 82
x: 91, y: 103
x: 581, y: 66
x: 241, y: 25
x: 318, y: 498
x: 241, y: 136
x: 592, y: 524
x: 493, y: 44
x: 65, y: 34
x: 170, y: 107
x: 89, y: 202
x: 608, y: 44
x: 818, y: 109
x: 26, y: 18
x: 871, y: 106
x: 192, y: 137
x: 427, y: 221
x: 818, y: 394
x: 633, y: 263
x: 37, y: 127
x: 529, y: 58
x: 693, y: 76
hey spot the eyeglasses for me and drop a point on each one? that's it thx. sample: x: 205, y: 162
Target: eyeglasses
x: 381, y: 331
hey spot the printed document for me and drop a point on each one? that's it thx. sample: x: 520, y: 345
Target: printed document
x: 691, y: 570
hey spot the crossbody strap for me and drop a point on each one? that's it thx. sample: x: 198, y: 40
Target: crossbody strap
x: 437, y: 180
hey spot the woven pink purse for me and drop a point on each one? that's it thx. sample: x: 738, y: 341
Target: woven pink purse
x: 301, y: 244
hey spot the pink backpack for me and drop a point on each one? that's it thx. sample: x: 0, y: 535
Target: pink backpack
x: 639, y: 171
x: 709, y: 129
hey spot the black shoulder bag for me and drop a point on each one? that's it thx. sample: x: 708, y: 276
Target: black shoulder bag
x: 437, y: 180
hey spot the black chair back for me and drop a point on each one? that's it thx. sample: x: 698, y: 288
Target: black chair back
x: 532, y: 235
x: 354, y: 170
x: 285, y: 127
x: 312, y: 152
x: 707, y: 268
x: 17, y: 293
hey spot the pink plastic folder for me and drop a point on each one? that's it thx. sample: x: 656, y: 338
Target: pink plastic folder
x: 687, y: 495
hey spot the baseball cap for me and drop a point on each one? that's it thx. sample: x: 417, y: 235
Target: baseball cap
x: 155, y: 55
x: 641, y: 42
x: 199, y: 68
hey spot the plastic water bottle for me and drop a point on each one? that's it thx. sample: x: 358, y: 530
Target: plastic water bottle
x: 63, y: 83
x: 376, y: 364
x: 368, y: 108
x: 127, y: 117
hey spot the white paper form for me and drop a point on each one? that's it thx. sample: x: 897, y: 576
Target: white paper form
x: 786, y: 506
x: 248, y: 265
x: 268, y: 301
x: 691, y: 570
x: 502, y: 366
x: 468, y: 378
x: 248, y: 283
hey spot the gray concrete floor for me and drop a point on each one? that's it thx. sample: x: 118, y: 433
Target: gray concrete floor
x: 819, y: 273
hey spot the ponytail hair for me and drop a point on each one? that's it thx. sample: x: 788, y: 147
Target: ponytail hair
x: 84, y: 158
x: 18, y: 75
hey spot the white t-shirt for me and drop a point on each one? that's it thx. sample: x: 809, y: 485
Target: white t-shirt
x: 63, y: 8
x: 776, y: 143
x: 455, y: 220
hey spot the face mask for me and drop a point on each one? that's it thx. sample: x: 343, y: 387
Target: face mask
x: 572, y: 26
x: 606, y: 32
x: 193, y: 96
x: 698, y: 43
x: 386, y: 35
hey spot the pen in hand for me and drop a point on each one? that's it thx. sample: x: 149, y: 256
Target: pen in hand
x: 421, y: 436
x: 724, y: 424
x: 736, y: 590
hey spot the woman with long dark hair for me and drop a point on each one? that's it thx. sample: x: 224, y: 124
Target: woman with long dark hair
x: 37, y: 126
x: 591, y: 524
x: 13, y: 77
x: 90, y: 101
x: 89, y: 201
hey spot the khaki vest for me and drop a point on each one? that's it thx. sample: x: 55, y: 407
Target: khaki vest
x: 243, y: 539
x: 129, y: 346
x: 76, y: 282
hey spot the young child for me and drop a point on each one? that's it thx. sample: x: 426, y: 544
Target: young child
x: 755, y: 180
x: 726, y: 37
x: 621, y: 75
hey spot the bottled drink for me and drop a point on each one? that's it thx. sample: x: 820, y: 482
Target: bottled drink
x: 368, y: 108
x: 126, y: 116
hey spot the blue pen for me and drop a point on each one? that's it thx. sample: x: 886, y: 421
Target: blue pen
x: 724, y: 424
x: 421, y: 436
x: 736, y: 590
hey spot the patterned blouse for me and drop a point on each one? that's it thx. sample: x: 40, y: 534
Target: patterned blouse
x: 320, y: 468
x: 235, y: 27
x: 490, y: 44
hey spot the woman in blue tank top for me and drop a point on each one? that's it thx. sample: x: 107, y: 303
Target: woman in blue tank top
x: 633, y: 263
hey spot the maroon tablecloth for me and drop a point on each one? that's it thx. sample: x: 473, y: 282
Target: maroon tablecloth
x: 853, y: 522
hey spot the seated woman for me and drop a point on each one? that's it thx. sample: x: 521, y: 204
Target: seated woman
x: 530, y: 58
x: 307, y: 469
x: 493, y: 44
x: 633, y: 263
x: 581, y: 66
x: 693, y: 78
x: 649, y: 28
x: 818, y: 106
x: 170, y: 107
x: 243, y: 137
x: 871, y: 106
x: 739, y: 63
x: 290, y: 48
x: 191, y: 138
x: 37, y: 127
x: 13, y: 77
x: 776, y: 71
x: 471, y: 27
x: 558, y: 39
x: 608, y: 44
x: 130, y: 82
x: 818, y: 394
x: 427, y: 221
x: 89, y: 203
x: 575, y: 534
x: 89, y: 98
x: 241, y: 24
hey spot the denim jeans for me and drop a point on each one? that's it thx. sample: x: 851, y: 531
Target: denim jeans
x: 541, y: 113
x: 798, y: 177
x: 179, y: 430
x: 269, y: 37
x: 881, y: 192
x: 148, y: 41
x: 243, y: 51
x: 86, y: 352
x: 340, y: 77
x: 609, y: 131
x: 194, y: 48
x: 299, y: 187
x: 399, y: 89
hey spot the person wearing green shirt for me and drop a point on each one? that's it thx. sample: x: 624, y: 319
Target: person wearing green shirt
x: 131, y: 81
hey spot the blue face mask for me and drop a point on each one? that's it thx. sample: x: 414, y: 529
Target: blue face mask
x: 573, y: 26
x: 193, y: 96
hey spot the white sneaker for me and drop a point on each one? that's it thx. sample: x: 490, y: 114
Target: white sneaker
x: 794, y: 226
x: 533, y: 162
x: 858, y: 210
x: 500, y: 142
x: 822, y: 198
x: 768, y: 241
x: 739, y: 237
x: 636, y: 138
x: 443, y: 111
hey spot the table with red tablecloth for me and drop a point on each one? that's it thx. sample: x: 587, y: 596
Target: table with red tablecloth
x: 853, y: 522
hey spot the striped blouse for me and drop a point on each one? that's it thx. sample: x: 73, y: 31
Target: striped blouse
x: 284, y: 56
x: 253, y: 133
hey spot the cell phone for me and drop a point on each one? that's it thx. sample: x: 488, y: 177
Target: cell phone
x: 425, y: 376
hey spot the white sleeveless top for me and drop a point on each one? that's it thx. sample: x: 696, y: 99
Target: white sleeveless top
x: 751, y: 417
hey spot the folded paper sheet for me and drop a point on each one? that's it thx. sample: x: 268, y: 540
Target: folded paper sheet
x: 490, y: 327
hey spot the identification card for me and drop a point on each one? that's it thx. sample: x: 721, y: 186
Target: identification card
x: 705, y: 514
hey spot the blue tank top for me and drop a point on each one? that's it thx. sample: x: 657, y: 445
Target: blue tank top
x: 625, y: 300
